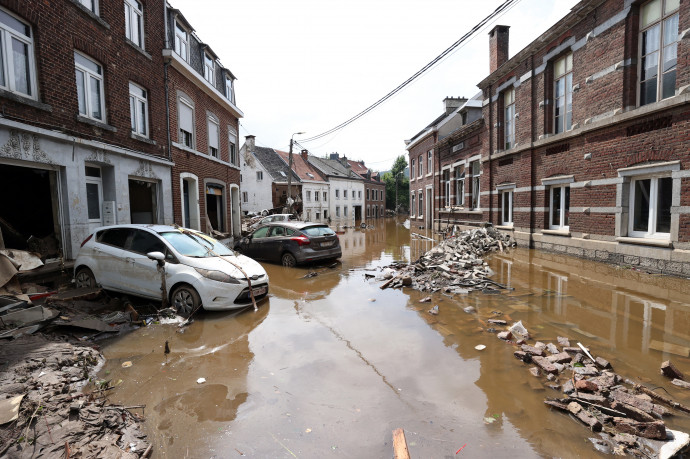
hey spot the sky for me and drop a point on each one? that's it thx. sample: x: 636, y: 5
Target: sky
x: 309, y: 65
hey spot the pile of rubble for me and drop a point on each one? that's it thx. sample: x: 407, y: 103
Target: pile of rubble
x: 456, y: 265
x: 628, y: 417
x: 45, y: 412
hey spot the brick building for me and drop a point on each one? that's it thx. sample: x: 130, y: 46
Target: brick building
x: 204, y: 123
x: 584, y: 142
x: 77, y: 153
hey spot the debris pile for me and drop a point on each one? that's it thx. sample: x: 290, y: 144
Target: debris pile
x: 628, y: 417
x: 454, y: 266
x: 45, y: 413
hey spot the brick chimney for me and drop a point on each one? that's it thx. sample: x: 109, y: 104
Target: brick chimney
x: 498, y: 47
x: 249, y: 141
x: 305, y: 155
x: 451, y: 103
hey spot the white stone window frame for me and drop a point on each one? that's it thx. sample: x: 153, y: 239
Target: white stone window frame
x: 509, y: 118
x: 446, y: 184
x: 478, y: 192
x: 136, y: 102
x: 88, y: 75
x: 181, y: 41
x: 562, y: 182
x: 134, y: 22
x: 182, y: 99
x: 209, y: 68
x: 212, y: 122
x: 661, y: 23
x: 507, y: 190
x: 7, y: 34
x: 625, y: 201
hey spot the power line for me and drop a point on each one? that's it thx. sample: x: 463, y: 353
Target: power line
x: 500, y: 9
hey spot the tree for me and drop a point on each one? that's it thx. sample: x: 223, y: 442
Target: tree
x: 389, y: 178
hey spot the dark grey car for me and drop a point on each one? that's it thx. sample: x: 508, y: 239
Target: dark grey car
x: 291, y: 243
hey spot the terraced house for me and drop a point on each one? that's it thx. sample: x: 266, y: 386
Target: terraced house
x: 584, y: 143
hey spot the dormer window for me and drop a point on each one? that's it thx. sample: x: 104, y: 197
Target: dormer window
x: 228, y: 89
x: 181, y: 41
x: 208, y: 68
x: 310, y: 175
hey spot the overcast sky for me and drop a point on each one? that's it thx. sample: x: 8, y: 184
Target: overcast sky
x: 309, y: 65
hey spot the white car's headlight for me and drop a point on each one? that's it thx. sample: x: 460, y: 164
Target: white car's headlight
x: 217, y: 276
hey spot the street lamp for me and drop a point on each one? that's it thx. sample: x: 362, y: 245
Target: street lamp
x: 289, y: 194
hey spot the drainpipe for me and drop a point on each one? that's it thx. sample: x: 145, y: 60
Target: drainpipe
x: 491, y: 149
x: 167, y: 109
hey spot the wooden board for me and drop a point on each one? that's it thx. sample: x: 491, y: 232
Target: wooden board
x: 400, y: 445
x: 670, y: 348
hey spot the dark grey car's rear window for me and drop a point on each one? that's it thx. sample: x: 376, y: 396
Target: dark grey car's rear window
x: 318, y: 231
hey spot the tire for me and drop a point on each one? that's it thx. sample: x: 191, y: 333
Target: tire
x: 84, y: 278
x: 288, y: 259
x: 185, y: 300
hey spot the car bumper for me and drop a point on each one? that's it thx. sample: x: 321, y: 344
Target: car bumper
x: 309, y: 255
x: 220, y: 297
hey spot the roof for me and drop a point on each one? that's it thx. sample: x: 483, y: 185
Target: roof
x: 427, y: 129
x: 273, y: 164
x: 304, y: 170
x: 333, y: 168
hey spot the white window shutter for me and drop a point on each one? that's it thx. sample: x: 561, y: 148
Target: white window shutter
x: 186, y: 117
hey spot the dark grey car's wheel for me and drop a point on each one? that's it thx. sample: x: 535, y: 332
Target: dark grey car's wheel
x: 84, y: 278
x: 288, y: 259
x: 185, y: 300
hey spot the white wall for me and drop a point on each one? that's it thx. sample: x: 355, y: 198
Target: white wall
x: 258, y: 192
x: 355, y: 197
x: 311, y: 208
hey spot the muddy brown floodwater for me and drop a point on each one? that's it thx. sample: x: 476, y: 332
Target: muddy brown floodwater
x: 330, y: 365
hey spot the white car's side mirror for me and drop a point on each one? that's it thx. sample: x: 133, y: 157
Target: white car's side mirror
x: 157, y: 256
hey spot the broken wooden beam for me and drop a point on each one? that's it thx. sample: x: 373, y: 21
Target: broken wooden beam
x: 400, y: 450
x: 654, y: 430
x: 670, y: 371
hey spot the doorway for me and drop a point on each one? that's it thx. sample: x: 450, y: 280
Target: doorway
x: 142, y: 202
x: 215, y: 207
x: 429, y: 208
x: 358, y: 213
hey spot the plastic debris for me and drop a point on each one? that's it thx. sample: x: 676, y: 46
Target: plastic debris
x: 480, y: 347
x: 517, y: 329
x: 126, y: 364
x: 201, y: 380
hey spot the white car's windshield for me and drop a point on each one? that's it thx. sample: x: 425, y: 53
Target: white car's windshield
x: 192, y: 245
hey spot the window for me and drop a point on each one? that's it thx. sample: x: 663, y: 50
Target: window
x: 659, y: 49
x: 368, y: 211
x: 474, y: 185
x: 413, y: 209
x: 359, y: 194
x: 213, y: 136
x: 91, y: 5
x: 559, y: 207
x: 232, y: 146
x: 245, y: 197
x: 144, y: 242
x: 94, y: 193
x: 208, y: 68
x: 316, y: 197
x: 650, y: 207
x: 181, y: 42
x: 259, y: 175
x: 420, y: 162
x: 445, y: 183
x: 459, y: 185
x: 17, y: 72
x: 412, y: 170
x: 186, y: 121
x: 89, y: 87
x: 509, y: 119
x: 134, y: 22
x: 507, y: 207
x: 344, y: 194
x: 325, y: 198
x: 229, y: 94
x: 337, y: 211
x: 325, y: 214
x: 429, y: 161
x: 318, y: 216
x: 421, y: 204
x: 337, y: 194
x: 563, y: 94
x: 345, y: 211
x: 138, y: 110
x: 367, y: 194
x: 308, y: 197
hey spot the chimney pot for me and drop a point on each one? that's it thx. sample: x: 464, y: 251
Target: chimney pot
x: 304, y: 154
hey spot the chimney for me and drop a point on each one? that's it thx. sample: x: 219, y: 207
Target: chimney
x: 498, y: 47
x: 335, y: 156
x: 344, y: 161
x: 451, y: 103
x: 249, y: 142
x: 305, y: 155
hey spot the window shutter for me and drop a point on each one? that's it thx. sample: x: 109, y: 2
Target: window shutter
x: 212, y: 134
x: 186, y: 117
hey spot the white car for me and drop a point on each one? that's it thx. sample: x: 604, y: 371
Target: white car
x: 271, y: 219
x: 199, y: 270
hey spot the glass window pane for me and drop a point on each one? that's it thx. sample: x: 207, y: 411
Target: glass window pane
x: 663, y: 205
x: 15, y: 24
x: 136, y: 29
x: 668, y: 82
x: 142, y: 118
x: 641, y: 209
x: 87, y: 63
x: 559, y: 68
x: 133, y: 113
x: 556, y: 206
x: 650, y: 66
x: 671, y: 30
x: 93, y: 201
x: 671, y: 5
x: 670, y: 57
x: 20, y: 59
x: 81, y: 92
x: 95, y: 98
x: 650, y: 40
x: 569, y: 63
x: 650, y: 12
x: 2, y: 59
x: 128, y: 27
x: 566, y: 207
x: 648, y: 92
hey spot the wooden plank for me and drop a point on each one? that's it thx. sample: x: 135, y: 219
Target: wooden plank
x: 670, y: 348
x: 400, y: 445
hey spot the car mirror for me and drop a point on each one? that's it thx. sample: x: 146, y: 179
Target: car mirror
x: 157, y: 256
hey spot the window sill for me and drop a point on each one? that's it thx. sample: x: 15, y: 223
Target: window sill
x: 91, y: 14
x: 505, y: 227
x: 25, y: 100
x: 142, y: 138
x: 645, y: 241
x: 98, y: 124
x: 556, y: 232
x: 203, y: 155
x: 138, y: 48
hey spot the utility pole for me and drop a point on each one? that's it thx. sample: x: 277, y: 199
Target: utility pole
x: 289, y: 175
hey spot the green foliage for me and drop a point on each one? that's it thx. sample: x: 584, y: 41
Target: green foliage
x: 403, y: 184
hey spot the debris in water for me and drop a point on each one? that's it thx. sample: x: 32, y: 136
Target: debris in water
x: 126, y: 364
x: 480, y: 347
x: 434, y: 310
x: 201, y: 380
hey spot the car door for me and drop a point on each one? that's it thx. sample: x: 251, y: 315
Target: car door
x: 109, y: 268
x: 256, y: 246
x: 274, y: 242
x: 143, y: 278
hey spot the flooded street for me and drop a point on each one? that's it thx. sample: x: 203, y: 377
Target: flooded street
x: 331, y: 365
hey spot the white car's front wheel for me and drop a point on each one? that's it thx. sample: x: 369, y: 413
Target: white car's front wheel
x: 185, y: 300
